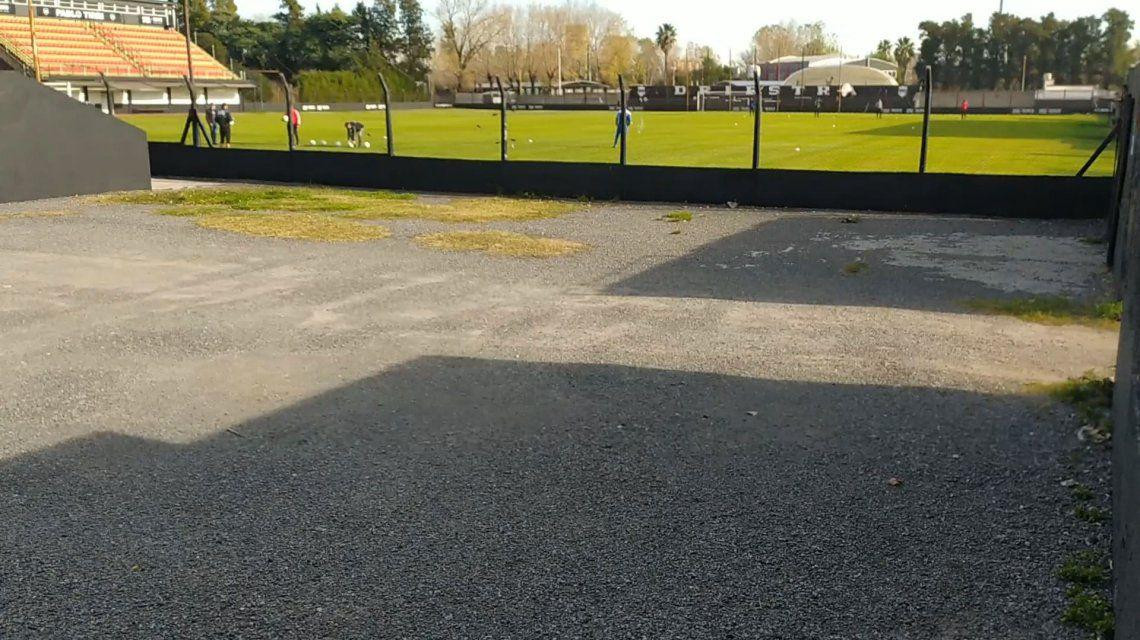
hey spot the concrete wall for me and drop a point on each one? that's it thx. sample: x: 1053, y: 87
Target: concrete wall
x: 1126, y: 403
x: 51, y: 145
x: 1005, y: 196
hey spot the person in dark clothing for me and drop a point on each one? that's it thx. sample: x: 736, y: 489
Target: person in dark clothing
x: 212, y: 122
x: 879, y: 107
x: 818, y: 105
x: 225, y: 122
x: 355, y: 132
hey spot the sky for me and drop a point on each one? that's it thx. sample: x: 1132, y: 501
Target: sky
x: 728, y: 25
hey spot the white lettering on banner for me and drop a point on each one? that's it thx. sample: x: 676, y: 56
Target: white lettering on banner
x: 7, y: 8
x: 679, y: 91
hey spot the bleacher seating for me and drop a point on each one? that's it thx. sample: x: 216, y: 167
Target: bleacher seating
x: 161, y: 52
x: 73, y: 47
x: 65, y: 47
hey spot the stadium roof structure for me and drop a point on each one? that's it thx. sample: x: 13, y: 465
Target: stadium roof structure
x: 796, y: 58
x: 840, y: 74
x: 832, y: 59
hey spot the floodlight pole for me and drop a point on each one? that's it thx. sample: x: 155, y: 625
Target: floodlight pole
x: 387, y: 115
x: 189, y: 77
x: 926, y: 118
x: 502, y: 120
x: 189, y: 56
x: 193, y: 122
x: 756, y: 120
x: 110, y: 96
x: 35, y: 48
x: 622, y: 129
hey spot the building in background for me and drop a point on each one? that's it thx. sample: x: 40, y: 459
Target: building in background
x: 780, y: 69
x: 134, y: 44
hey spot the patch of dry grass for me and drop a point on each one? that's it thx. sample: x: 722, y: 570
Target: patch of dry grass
x: 501, y: 243
x: 298, y: 226
x: 36, y: 214
x: 346, y: 203
x: 475, y: 209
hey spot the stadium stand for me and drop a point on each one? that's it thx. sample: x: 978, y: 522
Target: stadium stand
x: 78, y: 43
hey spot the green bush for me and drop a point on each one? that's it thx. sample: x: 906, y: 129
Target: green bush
x: 354, y: 86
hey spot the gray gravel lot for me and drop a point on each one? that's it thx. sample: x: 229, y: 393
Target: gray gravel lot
x: 208, y: 435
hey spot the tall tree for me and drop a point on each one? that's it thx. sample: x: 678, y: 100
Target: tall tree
x: 415, y: 41
x: 884, y: 50
x: 1117, y: 56
x: 902, y: 54
x: 665, y: 40
x: 791, y: 38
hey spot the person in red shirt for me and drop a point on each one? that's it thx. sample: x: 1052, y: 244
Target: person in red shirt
x: 295, y: 126
x: 965, y: 108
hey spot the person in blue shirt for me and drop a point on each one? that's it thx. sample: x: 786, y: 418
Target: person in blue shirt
x: 624, y: 120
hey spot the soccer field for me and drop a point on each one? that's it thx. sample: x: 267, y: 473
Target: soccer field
x: 997, y: 144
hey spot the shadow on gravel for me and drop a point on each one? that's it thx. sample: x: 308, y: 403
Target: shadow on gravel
x: 473, y: 498
x: 907, y: 262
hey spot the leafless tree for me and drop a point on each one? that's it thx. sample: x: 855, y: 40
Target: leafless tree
x: 467, y: 28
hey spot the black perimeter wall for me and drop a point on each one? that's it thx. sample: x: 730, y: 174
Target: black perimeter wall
x: 1004, y: 196
x: 51, y: 145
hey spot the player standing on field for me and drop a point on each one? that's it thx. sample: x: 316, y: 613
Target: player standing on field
x: 623, y: 121
x: 965, y: 108
x: 225, y: 122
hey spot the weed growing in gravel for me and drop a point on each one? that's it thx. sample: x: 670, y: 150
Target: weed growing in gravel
x: 1090, y: 611
x: 1092, y: 240
x: 1086, y: 568
x: 1091, y: 514
x: 1082, y: 492
x: 678, y: 216
x: 501, y: 243
x: 1091, y: 396
x: 853, y: 268
x: 1054, y: 310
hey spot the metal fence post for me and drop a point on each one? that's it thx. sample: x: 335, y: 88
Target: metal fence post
x: 288, y: 112
x: 110, y: 95
x: 502, y: 120
x: 387, y: 115
x: 756, y: 120
x: 1125, y: 117
x: 621, y: 119
x: 926, y: 118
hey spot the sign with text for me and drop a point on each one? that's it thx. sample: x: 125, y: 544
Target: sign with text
x: 79, y: 14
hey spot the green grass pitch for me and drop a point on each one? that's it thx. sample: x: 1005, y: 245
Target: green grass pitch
x: 996, y: 144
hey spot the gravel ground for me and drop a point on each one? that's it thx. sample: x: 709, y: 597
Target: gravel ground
x: 208, y: 435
